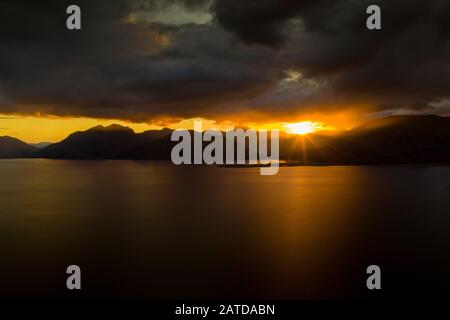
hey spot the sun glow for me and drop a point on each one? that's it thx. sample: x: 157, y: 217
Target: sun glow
x: 303, y: 127
x: 37, y: 128
x: 33, y: 129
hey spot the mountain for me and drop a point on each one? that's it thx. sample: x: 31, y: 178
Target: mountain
x: 41, y: 145
x: 400, y: 139
x: 395, y: 139
x: 96, y: 143
x: 15, y: 148
x: 112, y: 142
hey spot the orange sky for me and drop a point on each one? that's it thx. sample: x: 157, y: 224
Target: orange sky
x: 33, y: 129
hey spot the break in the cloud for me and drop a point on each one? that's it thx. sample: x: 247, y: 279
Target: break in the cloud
x: 148, y: 59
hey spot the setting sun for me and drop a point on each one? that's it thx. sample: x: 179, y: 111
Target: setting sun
x: 304, y: 127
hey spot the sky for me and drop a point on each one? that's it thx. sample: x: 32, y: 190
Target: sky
x: 155, y: 63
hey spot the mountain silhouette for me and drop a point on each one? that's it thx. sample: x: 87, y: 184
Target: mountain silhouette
x: 112, y: 142
x: 394, y: 139
x: 41, y: 145
x: 14, y: 148
x: 399, y: 139
x: 96, y: 143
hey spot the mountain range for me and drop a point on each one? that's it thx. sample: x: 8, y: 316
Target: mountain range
x: 394, y: 139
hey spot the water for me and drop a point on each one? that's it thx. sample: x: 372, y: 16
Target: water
x: 152, y: 230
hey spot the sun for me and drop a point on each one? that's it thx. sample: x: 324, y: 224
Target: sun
x: 304, y: 127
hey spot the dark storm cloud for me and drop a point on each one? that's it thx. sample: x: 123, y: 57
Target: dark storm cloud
x: 262, y: 22
x: 139, y: 59
x: 406, y: 64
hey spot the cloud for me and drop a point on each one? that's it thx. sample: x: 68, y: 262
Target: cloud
x: 147, y: 59
x: 171, y: 12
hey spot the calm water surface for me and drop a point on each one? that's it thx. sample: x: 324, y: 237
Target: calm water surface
x: 153, y: 230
